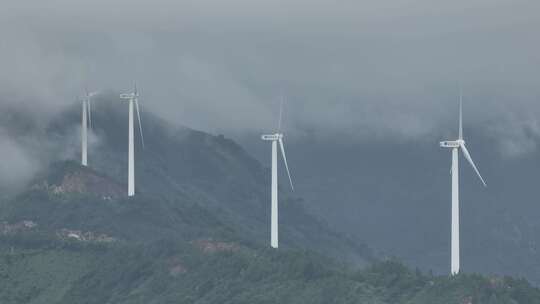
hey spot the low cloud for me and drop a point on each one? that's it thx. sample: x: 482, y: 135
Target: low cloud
x: 29, y: 146
x: 355, y: 70
x: 516, y: 135
x: 17, y: 165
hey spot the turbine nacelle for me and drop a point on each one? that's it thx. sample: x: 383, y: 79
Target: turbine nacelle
x: 91, y: 94
x: 129, y: 96
x: 452, y: 143
x: 272, y: 137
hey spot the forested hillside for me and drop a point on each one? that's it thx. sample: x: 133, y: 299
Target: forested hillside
x: 196, y: 232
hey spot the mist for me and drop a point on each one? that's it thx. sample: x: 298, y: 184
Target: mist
x: 355, y: 70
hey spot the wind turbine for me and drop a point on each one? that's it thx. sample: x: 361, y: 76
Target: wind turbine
x: 133, y: 100
x: 85, y: 121
x: 276, y: 138
x: 456, y: 145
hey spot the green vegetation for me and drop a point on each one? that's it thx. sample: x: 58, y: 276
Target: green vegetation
x: 179, y: 272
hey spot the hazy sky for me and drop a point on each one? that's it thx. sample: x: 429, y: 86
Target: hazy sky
x: 359, y: 69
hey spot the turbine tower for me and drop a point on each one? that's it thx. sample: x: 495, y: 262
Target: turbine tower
x: 133, y: 101
x: 456, y: 145
x: 276, y: 138
x: 85, y: 122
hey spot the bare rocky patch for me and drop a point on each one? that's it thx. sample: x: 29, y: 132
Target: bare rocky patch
x: 81, y: 180
x: 89, y: 236
x: 22, y: 226
x: 210, y: 246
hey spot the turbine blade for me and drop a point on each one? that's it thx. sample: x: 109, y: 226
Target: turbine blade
x: 139, y: 119
x: 280, y: 113
x: 460, y: 114
x: 135, y: 89
x: 469, y: 158
x: 285, y: 161
x: 89, y: 105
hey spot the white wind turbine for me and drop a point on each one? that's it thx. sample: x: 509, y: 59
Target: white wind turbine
x: 132, y: 99
x: 85, y: 122
x: 275, y: 139
x: 455, y: 146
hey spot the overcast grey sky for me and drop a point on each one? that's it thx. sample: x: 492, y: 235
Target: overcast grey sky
x: 362, y: 68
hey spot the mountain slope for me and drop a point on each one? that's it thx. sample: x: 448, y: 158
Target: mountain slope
x: 178, y: 168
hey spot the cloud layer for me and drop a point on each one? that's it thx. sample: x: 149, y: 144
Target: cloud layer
x: 348, y: 68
